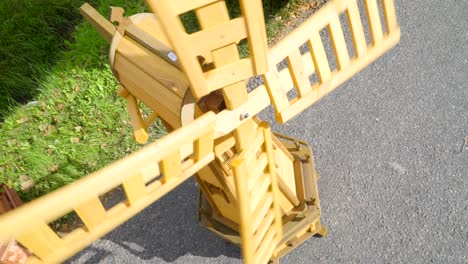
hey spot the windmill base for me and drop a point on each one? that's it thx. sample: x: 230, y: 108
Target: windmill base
x: 298, y: 225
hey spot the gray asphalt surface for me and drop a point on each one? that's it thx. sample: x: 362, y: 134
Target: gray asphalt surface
x: 389, y: 148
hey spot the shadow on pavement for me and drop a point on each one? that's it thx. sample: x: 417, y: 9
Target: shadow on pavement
x: 164, y: 232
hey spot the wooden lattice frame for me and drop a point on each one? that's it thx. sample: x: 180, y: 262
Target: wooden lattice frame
x: 145, y: 176
x: 188, y: 47
x: 302, y: 66
x: 257, y: 192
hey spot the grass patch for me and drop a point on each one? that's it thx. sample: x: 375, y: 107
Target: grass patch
x: 76, y: 124
x: 31, y: 34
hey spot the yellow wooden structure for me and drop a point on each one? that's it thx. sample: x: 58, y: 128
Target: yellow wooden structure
x: 257, y: 189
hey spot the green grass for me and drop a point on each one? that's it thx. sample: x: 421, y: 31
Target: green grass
x: 75, y: 123
x: 31, y: 33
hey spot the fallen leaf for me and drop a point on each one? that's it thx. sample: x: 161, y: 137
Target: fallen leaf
x: 22, y: 120
x: 25, y: 182
x: 50, y: 129
x: 54, y: 168
x: 23, y: 178
x: 25, y: 186
x: 60, y: 106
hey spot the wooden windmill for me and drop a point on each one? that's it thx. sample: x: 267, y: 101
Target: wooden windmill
x: 257, y: 189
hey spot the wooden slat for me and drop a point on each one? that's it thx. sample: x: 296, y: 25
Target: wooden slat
x: 153, y: 27
x: 296, y: 68
x: 310, y: 183
x: 204, y: 145
x: 150, y: 172
x: 222, y: 35
x: 299, y: 181
x: 153, y: 65
x: 240, y: 174
x: 258, y: 173
x: 42, y: 241
x: 264, y: 254
x: 279, y: 147
x: 224, y: 144
x: 259, y: 191
x: 134, y: 187
x: 287, y: 83
x: 250, y: 153
x: 105, y: 28
x: 255, y: 171
x: 265, y: 225
x: 262, y: 209
x: 357, y: 31
x: 338, y: 42
x: 171, y: 166
x: 252, y: 12
x: 138, y: 125
x: 274, y: 179
x: 390, y: 15
x: 140, y: 84
x: 153, y: 44
x: 275, y: 91
x: 288, y: 193
x: 183, y: 6
x: 375, y: 25
x: 137, y: 89
x: 319, y: 57
x: 244, y: 134
x: 266, y: 245
x: 92, y: 212
x: 229, y: 74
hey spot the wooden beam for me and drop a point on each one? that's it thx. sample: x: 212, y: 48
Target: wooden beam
x: 105, y: 28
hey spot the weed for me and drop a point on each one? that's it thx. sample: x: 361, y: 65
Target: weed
x: 31, y: 34
x: 74, y: 126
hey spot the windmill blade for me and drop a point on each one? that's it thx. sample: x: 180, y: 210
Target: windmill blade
x: 145, y: 176
x: 301, y: 67
x: 225, y: 31
x: 258, y: 199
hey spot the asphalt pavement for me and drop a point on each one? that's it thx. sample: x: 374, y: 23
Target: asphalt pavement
x: 389, y: 146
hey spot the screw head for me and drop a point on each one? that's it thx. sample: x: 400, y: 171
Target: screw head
x: 244, y: 115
